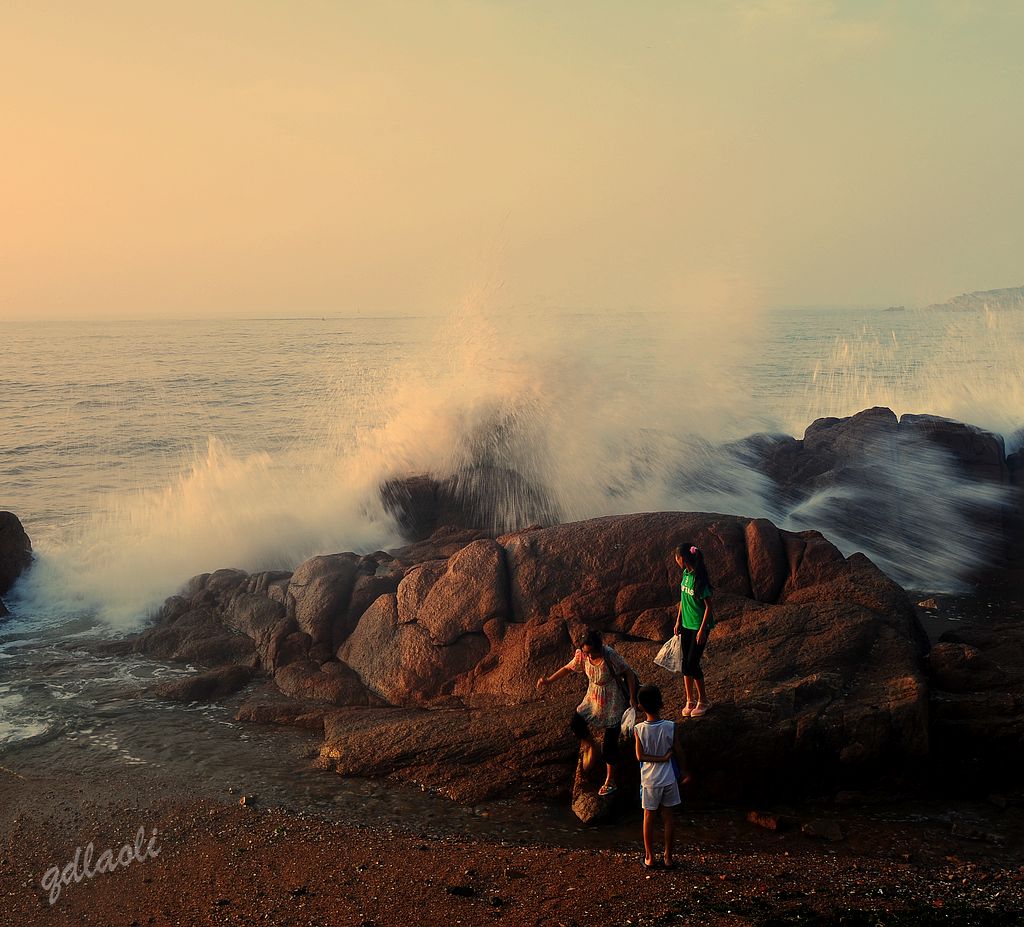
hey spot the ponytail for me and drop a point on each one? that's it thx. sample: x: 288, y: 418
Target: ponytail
x: 693, y: 559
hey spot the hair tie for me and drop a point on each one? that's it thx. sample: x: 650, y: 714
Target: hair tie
x: 693, y: 550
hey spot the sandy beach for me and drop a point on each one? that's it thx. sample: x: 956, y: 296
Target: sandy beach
x: 918, y: 861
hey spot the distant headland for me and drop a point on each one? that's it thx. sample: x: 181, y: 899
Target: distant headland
x: 1007, y: 298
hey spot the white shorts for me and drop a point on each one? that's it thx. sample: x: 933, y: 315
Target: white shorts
x: 654, y: 797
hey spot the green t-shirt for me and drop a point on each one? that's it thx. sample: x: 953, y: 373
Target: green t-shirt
x: 693, y: 603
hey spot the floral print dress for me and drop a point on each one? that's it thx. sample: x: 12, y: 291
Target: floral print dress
x: 604, y: 702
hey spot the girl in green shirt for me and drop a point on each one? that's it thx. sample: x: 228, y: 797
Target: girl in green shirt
x: 693, y: 625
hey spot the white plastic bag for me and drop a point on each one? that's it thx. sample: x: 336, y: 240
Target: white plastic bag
x: 628, y: 721
x: 670, y: 656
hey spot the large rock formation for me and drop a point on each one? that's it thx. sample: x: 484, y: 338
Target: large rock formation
x: 927, y: 497
x: 424, y: 666
x: 15, y: 551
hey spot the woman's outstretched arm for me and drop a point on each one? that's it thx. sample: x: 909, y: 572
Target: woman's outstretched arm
x: 557, y: 674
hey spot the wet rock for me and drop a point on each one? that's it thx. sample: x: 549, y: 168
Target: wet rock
x: 197, y: 635
x: 266, y: 709
x: 205, y: 687
x: 871, y: 479
x: 490, y: 498
x: 979, y: 454
x: 15, y: 550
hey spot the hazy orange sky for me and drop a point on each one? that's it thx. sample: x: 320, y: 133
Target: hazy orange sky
x: 253, y: 158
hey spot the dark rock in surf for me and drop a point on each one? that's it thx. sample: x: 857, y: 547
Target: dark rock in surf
x: 205, y: 687
x: 487, y: 498
x: 15, y: 550
x: 1015, y: 520
x: 897, y: 488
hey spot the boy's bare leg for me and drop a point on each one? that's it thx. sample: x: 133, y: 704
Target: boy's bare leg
x: 649, y: 837
x: 669, y: 820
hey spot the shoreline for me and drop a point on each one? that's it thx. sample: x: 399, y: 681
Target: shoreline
x: 224, y: 862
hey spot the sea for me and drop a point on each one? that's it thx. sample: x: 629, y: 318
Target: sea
x: 138, y: 454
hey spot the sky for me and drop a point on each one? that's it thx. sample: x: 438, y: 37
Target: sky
x: 258, y: 158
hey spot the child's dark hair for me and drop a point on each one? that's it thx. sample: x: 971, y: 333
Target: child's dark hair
x: 650, y: 699
x: 693, y: 559
x: 593, y: 640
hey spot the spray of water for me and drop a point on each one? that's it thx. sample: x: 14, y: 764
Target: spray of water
x: 595, y: 414
x: 967, y: 366
x: 254, y: 512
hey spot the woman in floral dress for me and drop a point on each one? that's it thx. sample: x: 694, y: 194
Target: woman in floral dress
x: 609, y: 677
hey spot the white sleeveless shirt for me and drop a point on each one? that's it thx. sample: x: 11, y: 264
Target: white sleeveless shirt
x: 656, y: 739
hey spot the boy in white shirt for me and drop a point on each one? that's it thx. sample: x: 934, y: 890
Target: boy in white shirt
x: 657, y: 742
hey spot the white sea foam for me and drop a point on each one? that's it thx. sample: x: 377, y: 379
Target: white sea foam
x: 597, y: 414
x: 254, y: 512
x: 967, y: 366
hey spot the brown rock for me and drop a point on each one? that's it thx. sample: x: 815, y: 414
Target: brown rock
x: 261, y: 619
x: 398, y: 661
x: 821, y: 687
x: 197, y: 635
x: 766, y: 560
x: 765, y: 819
x: 469, y: 756
x: 458, y: 597
x: 332, y: 682
x: 319, y: 593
